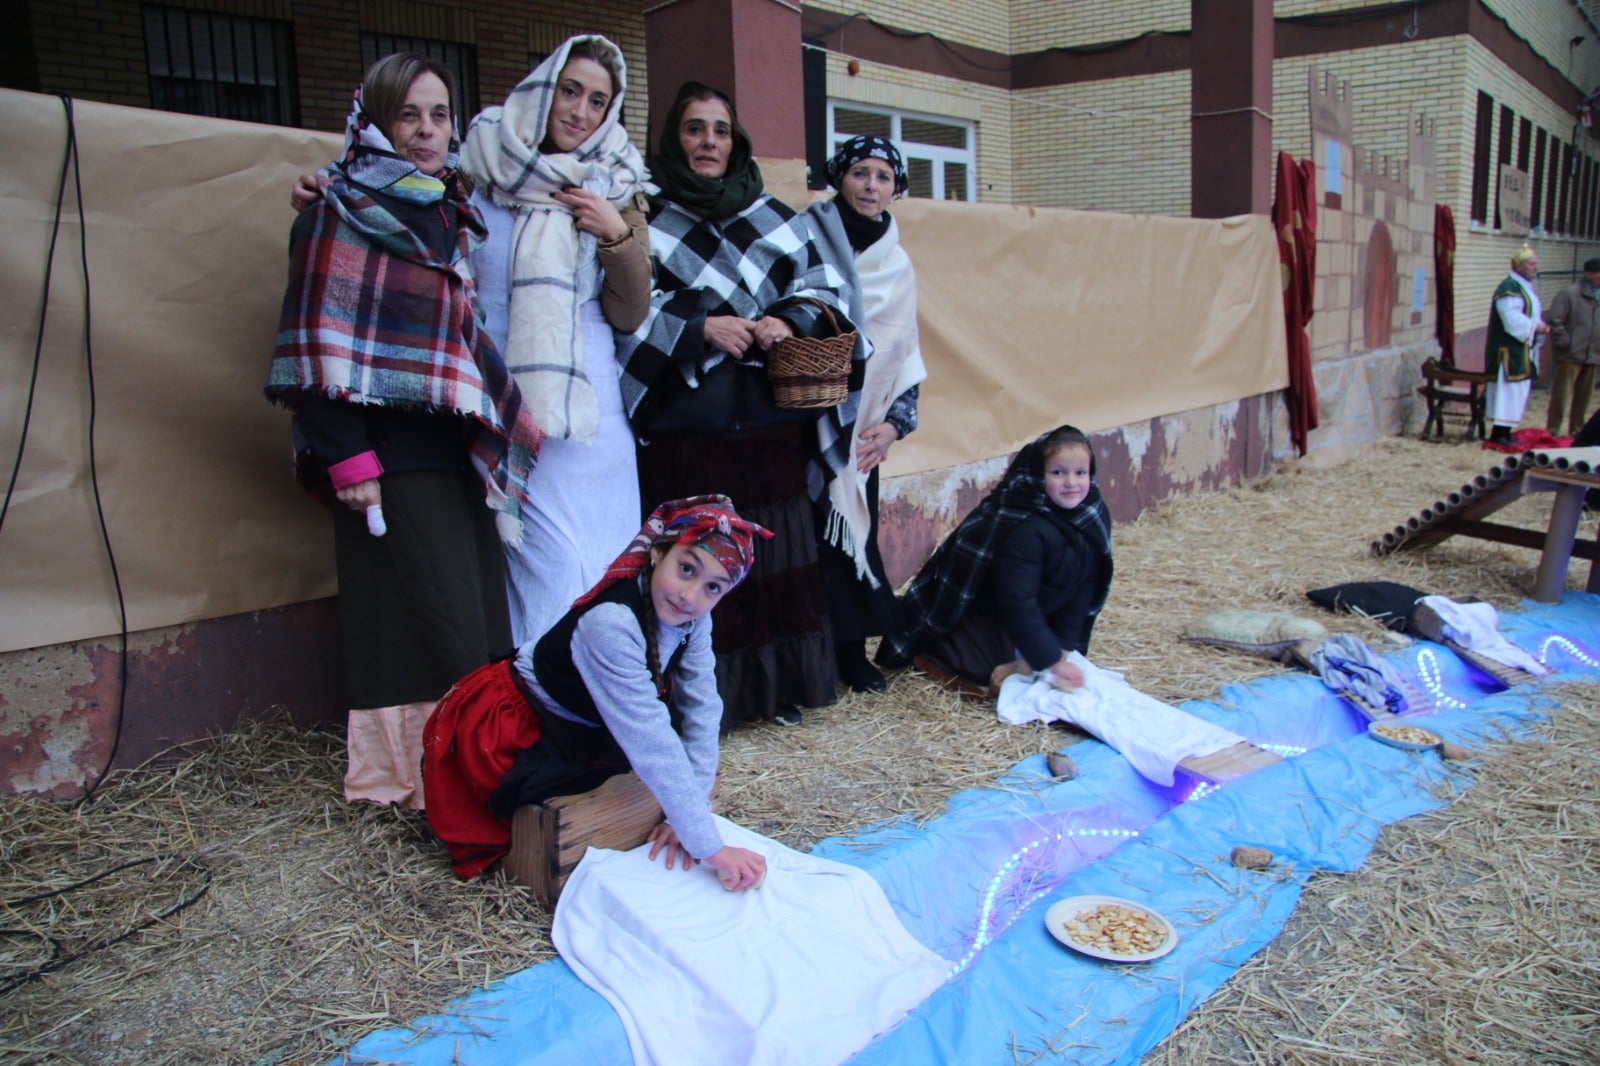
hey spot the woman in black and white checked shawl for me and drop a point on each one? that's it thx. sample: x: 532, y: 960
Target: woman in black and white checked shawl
x: 729, y: 260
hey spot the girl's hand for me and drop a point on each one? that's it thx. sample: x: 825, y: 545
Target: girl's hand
x: 770, y: 330
x: 593, y: 213
x: 664, y: 838
x: 306, y: 192
x: 738, y: 869
x: 1066, y: 675
x: 361, y: 495
x: 729, y: 333
x: 874, y: 445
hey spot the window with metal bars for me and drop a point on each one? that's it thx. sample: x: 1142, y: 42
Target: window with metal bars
x: 462, y: 59
x: 225, y: 66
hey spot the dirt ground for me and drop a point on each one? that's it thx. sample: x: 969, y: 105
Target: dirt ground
x: 226, y: 906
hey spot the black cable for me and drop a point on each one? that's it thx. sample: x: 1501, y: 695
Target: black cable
x: 57, y: 960
x: 94, y: 466
x: 71, y: 158
x: 44, y: 306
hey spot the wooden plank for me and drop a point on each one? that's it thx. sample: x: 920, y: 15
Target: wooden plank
x: 1229, y: 764
x: 549, y: 839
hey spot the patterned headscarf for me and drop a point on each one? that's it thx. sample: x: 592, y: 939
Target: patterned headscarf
x: 856, y: 149
x: 705, y: 522
x: 369, y: 160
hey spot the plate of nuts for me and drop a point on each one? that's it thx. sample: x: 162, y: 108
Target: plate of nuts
x: 1406, y: 737
x: 1109, y: 928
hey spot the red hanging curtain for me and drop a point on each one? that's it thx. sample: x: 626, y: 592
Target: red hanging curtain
x: 1294, y: 218
x: 1444, y: 272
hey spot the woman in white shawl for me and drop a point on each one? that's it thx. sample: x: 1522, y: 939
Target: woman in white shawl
x: 567, y: 261
x: 856, y: 234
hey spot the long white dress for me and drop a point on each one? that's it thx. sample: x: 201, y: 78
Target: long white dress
x: 583, y: 495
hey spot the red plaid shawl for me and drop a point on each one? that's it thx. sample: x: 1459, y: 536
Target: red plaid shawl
x: 372, y: 315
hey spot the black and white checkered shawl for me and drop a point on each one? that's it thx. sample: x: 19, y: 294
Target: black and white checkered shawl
x: 948, y: 582
x: 745, y: 265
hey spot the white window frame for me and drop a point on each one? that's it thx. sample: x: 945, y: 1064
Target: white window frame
x: 936, y: 154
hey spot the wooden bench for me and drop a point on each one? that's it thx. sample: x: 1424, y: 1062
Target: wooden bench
x: 548, y: 839
x: 1443, y: 386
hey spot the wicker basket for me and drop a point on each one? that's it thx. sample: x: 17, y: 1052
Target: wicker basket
x: 812, y: 371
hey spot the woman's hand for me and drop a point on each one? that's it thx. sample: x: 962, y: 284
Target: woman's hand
x: 1065, y: 675
x: 729, y: 333
x: 664, y: 838
x: 873, y: 445
x: 361, y: 495
x: 738, y: 869
x: 306, y: 192
x: 771, y: 329
x: 593, y: 213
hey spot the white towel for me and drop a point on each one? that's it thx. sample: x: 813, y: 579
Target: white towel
x: 1477, y: 626
x: 1151, y: 735
x: 805, y: 970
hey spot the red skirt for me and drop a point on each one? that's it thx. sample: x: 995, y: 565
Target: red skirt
x: 467, y: 746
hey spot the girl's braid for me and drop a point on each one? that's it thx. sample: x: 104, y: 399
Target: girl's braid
x: 651, y: 626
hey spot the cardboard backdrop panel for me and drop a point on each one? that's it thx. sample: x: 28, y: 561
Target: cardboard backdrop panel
x: 1032, y: 317
x: 187, y: 226
x: 1029, y: 318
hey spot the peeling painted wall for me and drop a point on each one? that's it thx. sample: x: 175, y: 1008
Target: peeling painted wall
x: 59, y: 704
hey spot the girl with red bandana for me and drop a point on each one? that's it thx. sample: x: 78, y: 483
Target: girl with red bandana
x: 625, y: 680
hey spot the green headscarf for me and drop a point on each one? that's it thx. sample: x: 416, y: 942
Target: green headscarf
x: 720, y: 197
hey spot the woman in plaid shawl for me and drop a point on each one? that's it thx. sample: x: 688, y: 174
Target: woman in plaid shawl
x: 1026, y: 571
x: 730, y: 262
x: 567, y: 261
x: 405, y: 414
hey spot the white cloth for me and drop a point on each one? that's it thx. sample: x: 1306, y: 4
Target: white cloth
x: 583, y: 501
x: 1477, y: 626
x: 1155, y: 737
x: 804, y: 970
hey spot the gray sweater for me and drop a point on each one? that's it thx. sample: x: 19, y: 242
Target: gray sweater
x: 609, y: 653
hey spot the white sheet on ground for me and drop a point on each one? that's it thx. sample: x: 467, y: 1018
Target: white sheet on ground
x: 805, y: 970
x: 1477, y: 626
x: 1151, y: 735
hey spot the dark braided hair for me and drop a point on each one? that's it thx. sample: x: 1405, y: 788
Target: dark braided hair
x: 650, y: 624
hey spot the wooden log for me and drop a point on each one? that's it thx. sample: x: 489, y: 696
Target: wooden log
x: 548, y: 839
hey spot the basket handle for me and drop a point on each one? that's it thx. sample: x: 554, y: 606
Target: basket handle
x: 832, y: 321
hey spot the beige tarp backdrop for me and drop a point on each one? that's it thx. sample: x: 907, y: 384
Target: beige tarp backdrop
x: 1032, y: 317
x: 1029, y: 318
x: 188, y: 225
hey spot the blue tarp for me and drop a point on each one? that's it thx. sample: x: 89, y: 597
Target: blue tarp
x: 974, y: 883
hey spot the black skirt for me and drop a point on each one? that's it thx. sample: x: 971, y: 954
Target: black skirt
x: 425, y: 604
x: 771, y: 633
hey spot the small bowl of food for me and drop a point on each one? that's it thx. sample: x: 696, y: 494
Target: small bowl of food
x: 1111, y: 928
x: 1405, y: 737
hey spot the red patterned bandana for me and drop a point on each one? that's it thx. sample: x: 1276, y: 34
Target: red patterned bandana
x: 705, y: 522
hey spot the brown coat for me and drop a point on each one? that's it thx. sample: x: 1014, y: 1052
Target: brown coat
x: 1573, y: 336
x: 625, y: 292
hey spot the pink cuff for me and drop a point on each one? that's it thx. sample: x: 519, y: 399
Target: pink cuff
x: 354, y: 470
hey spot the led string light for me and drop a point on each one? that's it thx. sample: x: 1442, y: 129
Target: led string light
x: 1567, y: 646
x: 989, y: 926
x: 1288, y: 751
x: 1433, y: 679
